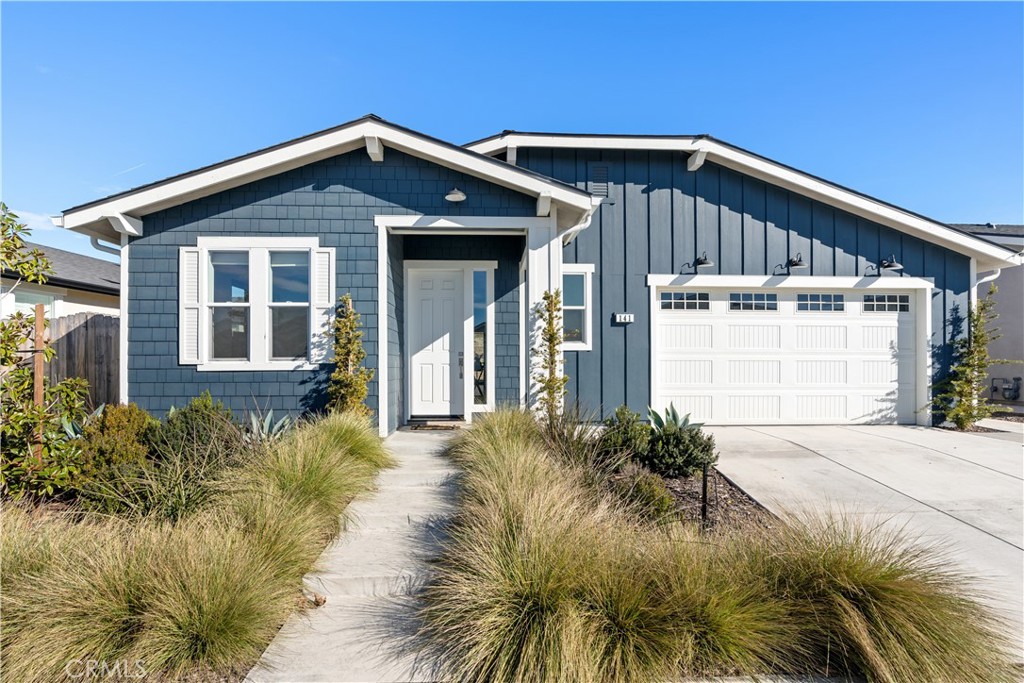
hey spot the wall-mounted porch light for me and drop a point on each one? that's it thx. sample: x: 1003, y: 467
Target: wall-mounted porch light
x: 886, y: 264
x: 701, y: 261
x: 455, y: 195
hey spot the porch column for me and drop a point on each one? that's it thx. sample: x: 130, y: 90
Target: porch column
x: 543, y: 273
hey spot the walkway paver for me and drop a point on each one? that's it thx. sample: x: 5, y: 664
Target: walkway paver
x: 960, y: 491
x: 366, y: 575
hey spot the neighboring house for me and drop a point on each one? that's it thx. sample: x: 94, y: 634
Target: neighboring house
x: 77, y: 284
x: 1005, y: 379
x: 692, y: 271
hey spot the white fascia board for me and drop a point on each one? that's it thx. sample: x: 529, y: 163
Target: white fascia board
x: 427, y: 223
x: 809, y: 282
x: 989, y: 255
x: 302, y: 152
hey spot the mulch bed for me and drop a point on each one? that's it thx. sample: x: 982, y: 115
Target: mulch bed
x: 728, y: 505
x: 1009, y: 417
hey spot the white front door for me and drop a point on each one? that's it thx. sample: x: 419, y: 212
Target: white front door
x: 436, y: 327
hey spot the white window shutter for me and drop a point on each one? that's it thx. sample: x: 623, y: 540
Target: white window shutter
x: 322, y: 300
x: 188, y: 306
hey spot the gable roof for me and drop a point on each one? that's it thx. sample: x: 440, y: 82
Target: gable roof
x: 991, y: 230
x: 120, y: 213
x: 989, y: 255
x: 77, y: 271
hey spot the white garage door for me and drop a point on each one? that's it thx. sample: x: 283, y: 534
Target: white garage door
x: 785, y: 356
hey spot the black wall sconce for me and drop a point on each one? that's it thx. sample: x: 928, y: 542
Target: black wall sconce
x: 885, y: 264
x: 701, y: 261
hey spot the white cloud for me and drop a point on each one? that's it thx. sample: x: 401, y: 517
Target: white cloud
x: 36, y: 222
x: 129, y: 170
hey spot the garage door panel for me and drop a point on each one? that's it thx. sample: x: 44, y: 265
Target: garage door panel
x: 786, y: 366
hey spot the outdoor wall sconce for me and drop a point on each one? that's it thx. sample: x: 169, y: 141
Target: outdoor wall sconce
x: 886, y: 264
x: 793, y: 263
x: 701, y: 261
x: 455, y: 195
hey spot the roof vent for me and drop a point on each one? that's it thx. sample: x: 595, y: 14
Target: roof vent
x: 597, y: 181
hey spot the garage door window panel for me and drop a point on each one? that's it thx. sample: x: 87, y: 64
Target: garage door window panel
x: 753, y: 301
x: 820, y: 303
x: 886, y: 303
x: 685, y: 301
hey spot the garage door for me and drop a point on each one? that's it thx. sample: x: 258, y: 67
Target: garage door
x: 785, y: 356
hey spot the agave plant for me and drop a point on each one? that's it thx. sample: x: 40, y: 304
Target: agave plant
x: 262, y: 428
x: 671, y: 419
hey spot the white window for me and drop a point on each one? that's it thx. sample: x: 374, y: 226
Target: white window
x: 820, y: 302
x: 255, y: 303
x: 25, y: 302
x: 577, y: 306
x: 685, y: 301
x: 753, y: 301
x: 882, y: 303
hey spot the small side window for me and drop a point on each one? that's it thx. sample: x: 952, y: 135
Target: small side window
x: 577, y: 309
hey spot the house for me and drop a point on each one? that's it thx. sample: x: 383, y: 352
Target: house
x: 77, y: 284
x: 1005, y: 378
x: 693, y: 272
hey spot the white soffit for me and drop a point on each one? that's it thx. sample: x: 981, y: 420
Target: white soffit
x: 988, y: 255
x: 372, y: 134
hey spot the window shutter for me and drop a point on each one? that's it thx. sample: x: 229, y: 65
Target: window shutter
x: 322, y: 300
x: 188, y: 306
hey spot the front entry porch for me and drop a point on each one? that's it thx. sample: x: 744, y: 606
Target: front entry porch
x: 454, y: 309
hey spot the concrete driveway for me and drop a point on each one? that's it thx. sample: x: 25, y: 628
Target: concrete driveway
x: 964, y: 492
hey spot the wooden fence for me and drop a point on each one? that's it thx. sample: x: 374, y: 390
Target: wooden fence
x: 87, y: 346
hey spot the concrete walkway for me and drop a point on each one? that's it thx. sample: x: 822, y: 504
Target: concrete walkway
x: 960, y: 491
x: 367, y: 575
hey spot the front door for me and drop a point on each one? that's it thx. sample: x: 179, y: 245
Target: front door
x: 436, y: 328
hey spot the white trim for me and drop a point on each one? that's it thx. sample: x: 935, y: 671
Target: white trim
x: 126, y: 225
x: 383, y: 396
x: 544, y: 204
x: 258, y: 249
x: 92, y: 218
x: 921, y: 287
x: 122, y: 360
x: 586, y: 270
x: 989, y: 255
x: 524, y: 388
x: 428, y: 224
x: 820, y: 282
x: 467, y: 268
x: 973, y: 291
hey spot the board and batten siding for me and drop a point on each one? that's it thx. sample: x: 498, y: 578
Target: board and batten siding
x: 659, y: 216
x: 335, y: 200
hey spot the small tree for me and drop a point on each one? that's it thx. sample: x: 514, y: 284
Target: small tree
x: 962, y: 398
x: 549, y: 377
x: 349, y: 383
x: 57, y: 465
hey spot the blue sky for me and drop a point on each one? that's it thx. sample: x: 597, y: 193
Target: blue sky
x: 919, y: 104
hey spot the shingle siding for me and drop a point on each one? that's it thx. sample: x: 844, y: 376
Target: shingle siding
x: 335, y: 200
x: 659, y: 216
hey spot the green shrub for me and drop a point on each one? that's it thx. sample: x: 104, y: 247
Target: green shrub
x: 644, y: 493
x: 188, y: 455
x: 625, y: 433
x: 58, y: 467
x: 118, y: 436
x: 349, y: 383
x: 679, y: 452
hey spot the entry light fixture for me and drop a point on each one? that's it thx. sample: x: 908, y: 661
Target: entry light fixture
x: 455, y: 195
x: 796, y: 262
x: 886, y: 264
x: 701, y: 261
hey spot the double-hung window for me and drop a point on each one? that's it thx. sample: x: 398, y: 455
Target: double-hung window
x: 577, y: 306
x: 255, y: 303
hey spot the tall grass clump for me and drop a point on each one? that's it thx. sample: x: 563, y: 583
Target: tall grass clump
x: 548, y: 578
x: 874, y: 602
x: 196, y: 595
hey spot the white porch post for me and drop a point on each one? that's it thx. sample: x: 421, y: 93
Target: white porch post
x: 543, y: 273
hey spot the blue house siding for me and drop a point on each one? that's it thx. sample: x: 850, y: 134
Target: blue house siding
x: 335, y: 200
x: 660, y: 215
x: 508, y: 252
